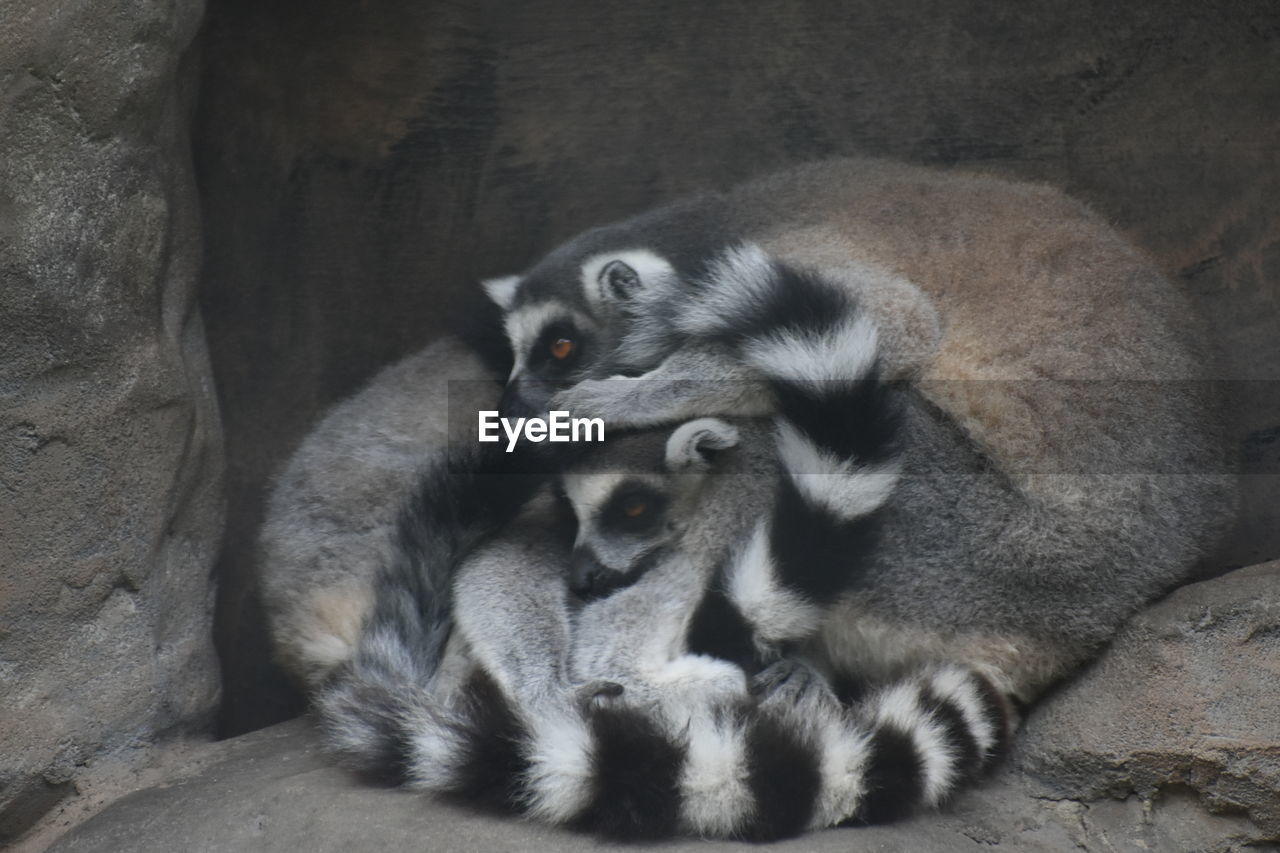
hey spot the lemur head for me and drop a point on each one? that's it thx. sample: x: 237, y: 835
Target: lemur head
x: 635, y: 496
x: 599, y: 304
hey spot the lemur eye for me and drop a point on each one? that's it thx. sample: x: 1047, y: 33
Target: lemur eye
x: 561, y: 348
x: 558, y: 348
x: 635, y: 508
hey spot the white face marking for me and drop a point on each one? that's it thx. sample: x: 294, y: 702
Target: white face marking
x: 587, y: 493
x: 525, y: 324
x: 652, y: 270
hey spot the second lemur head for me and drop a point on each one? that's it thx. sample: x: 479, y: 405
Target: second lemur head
x: 601, y: 303
x: 635, y: 497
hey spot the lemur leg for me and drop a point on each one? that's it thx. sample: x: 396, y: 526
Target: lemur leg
x: 511, y: 607
x: 636, y: 637
x: 794, y: 682
x: 699, y: 380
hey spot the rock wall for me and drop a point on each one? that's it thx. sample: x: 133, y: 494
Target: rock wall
x: 362, y: 168
x: 1187, y: 699
x: 110, y: 451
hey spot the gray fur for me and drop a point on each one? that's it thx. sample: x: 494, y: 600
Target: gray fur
x: 1034, y: 514
x: 554, y: 662
x: 332, y: 510
x: 389, y: 707
x: 1065, y: 459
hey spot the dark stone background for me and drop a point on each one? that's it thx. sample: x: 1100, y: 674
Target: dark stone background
x: 362, y: 163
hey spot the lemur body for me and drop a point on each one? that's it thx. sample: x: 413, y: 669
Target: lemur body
x: 1062, y: 463
x: 333, y: 509
x: 692, y: 588
x: 1008, y: 544
x: 685, y: 747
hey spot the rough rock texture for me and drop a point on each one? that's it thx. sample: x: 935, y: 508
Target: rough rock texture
x: 110, y: 457
x: 362, y: 169
x: 1124, y: 759
x: 1188, y: 698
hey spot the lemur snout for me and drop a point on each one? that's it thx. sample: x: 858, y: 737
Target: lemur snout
x: 590, y: 578
x: 587, y: 575
x: 527, y: 397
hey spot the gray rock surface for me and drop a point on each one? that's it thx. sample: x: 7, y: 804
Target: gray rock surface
x: 1126, y: 758
x: 1188, y: 698
x: 110, y: 460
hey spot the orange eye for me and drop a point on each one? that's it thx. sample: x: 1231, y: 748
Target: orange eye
x: 561, y: 348
x: 635, y: 509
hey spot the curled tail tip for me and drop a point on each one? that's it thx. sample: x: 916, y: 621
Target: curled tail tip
x: 930, y: 735
x: 361, y: 725
x: 400, y: 734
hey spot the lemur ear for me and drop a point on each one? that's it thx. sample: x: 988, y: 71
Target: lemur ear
x: 502, y: 290
x: 693, y: 446
x: 624, y: 277
x: 619, y: 280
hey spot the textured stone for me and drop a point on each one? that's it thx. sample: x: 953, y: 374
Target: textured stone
x: 1186, y: 699
x: 110, y: 459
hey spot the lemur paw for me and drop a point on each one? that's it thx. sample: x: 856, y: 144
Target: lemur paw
x: 792, y: 682
x: 597, y: 694
x: 597, y: 398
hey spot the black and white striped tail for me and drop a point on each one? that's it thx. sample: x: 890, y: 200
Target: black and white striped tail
x: 370, y: 703
x: 779, y: 771
x: 756, y: 772
x: 838, y: 426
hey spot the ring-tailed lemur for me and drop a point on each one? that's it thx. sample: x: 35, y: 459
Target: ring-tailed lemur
x: 990, y: 538
x: 332, y: 512
x: 683, y: 748
x: 677, y: 564
x: 1062, y: 465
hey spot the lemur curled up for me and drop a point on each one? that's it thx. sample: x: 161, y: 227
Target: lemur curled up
x: 1058, y: 448
x: 631, y: 715
x: 1062, y: 459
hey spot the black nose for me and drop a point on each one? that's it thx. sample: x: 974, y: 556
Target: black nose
x: 584, y: 569
x: 514, y: 402
x: 527, y: 397
x: 589, y: 578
